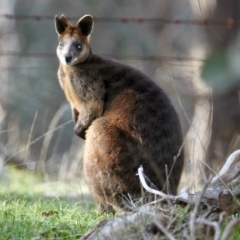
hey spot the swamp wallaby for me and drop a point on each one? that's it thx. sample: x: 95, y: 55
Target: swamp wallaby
x: 126, y: 119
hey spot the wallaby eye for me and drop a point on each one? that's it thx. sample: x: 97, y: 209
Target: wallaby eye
x: 78, y: 46
x: 61, y: 44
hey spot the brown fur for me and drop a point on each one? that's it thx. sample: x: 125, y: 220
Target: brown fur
x: 126, y: 119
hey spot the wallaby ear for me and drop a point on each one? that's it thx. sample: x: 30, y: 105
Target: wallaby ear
x: 61, y: 24
x: 85, y: 24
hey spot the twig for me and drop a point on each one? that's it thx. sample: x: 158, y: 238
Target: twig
x: 193, y: 215
x: 211, y: 224
x: 37, y: 139
x: 221, y: 217
x: 151, y: 190
x: 229, y: 162
x: 46, y: 141
x: 228, y: 228
x: 29, y: 138
x: 163, y: 230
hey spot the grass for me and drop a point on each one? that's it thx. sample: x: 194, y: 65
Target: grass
x: 27, y: 218
x: 27, y: 214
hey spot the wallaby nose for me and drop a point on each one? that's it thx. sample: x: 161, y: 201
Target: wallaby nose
x: 68, y: 59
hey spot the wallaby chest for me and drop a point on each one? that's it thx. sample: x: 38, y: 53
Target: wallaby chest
x: 66, y: 78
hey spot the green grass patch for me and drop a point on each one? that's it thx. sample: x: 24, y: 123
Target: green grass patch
x: 27, y: 214
x: 27, y: 217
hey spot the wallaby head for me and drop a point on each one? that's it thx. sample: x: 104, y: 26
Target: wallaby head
x: 73, y: 47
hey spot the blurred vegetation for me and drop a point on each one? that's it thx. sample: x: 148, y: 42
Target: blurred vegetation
x: 221, y: 70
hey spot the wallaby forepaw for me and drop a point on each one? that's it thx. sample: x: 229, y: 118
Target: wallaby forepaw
x: 80, y: 131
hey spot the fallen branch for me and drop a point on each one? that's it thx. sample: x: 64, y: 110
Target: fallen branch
x: 230, y: 163
x: 218, y: 200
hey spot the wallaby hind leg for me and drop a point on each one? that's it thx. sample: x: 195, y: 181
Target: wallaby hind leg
x: 111, y: 160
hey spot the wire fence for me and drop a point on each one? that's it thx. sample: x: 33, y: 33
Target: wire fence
x: 121, y: 57
x: 202, y: 22
x: 230, y: 23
